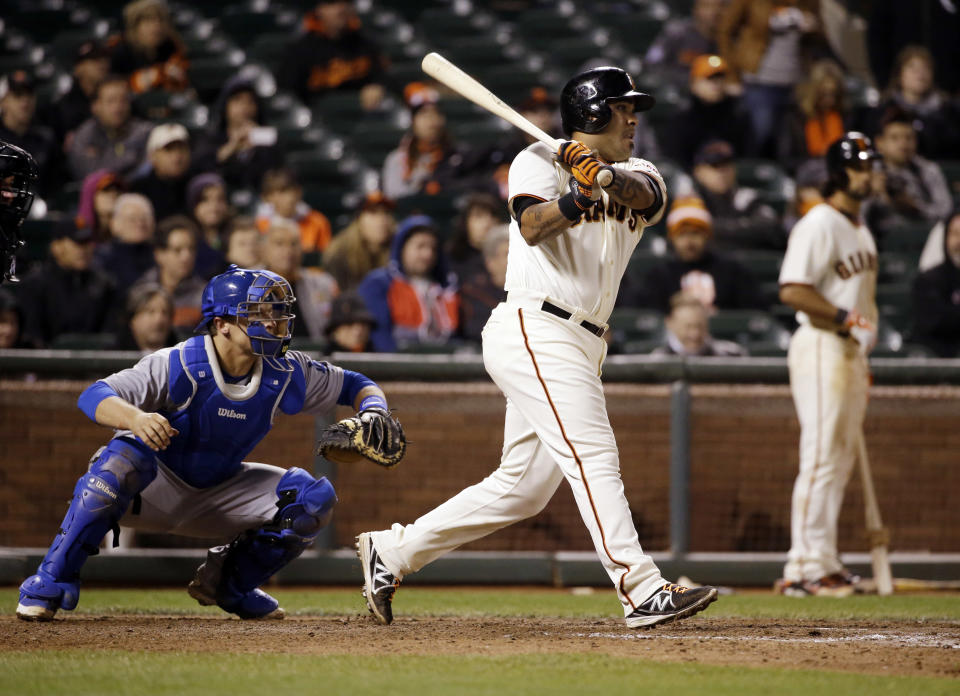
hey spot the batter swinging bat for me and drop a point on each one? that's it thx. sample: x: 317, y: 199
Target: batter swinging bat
x: 442, y: 70
x: 876, y: 533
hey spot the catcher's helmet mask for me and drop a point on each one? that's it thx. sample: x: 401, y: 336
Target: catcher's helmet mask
x: 262, y: 303
x: 18, y: 171
x: 585, y: 99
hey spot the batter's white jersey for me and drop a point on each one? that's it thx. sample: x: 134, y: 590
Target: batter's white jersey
x: 581, y: 268
x: 839, y: 259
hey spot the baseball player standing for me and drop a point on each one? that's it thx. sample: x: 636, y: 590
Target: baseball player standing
x: 186, y: 417
x: 569, y: 244
x: 829, y: 275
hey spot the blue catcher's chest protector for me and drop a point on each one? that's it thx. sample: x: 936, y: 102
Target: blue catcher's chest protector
x: 218, y: 423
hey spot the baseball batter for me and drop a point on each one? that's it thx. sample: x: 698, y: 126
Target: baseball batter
x: 829, y: 275
x: 186, y: 417
x: 569, y: 245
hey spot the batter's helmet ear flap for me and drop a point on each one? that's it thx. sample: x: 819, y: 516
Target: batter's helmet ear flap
x: 585, y: 99
x: 852, y: 148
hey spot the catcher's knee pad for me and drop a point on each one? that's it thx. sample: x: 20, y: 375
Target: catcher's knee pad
x: 233, y: 571
x: 117, y: 472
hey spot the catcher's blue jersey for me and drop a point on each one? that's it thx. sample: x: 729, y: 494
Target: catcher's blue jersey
x: 218, y: 423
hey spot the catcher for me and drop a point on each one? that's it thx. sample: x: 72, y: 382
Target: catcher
x: 185, y: 418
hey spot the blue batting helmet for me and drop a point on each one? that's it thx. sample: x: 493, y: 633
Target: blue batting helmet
x: 258, y: 296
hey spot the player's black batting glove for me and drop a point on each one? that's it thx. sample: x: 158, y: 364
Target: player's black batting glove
x: 582, y: 195
x: 570, y: 152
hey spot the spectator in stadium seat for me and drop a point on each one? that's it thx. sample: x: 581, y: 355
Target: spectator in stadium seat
x: 741, y: 220
x: 712, y: 114
x: 98, y: 196
x: 237, y: 144
x: 768, y: 44
x: 482, y: 289
x: 129, y: 253
x: 165, y: 183
x: 242, y: 245
x: 364, y: 244
x: 480, y: 213
x: 682, y: 39
x: 175, y: 258
x: 426, y: 160
x: 65, y: 294
x: 936, y: 298
x: 908, y: 187
x: 333, y: 53
x: 912, y: 89
x: 281, y: 199
x: 819, y: 117
x: 147, y: 323
x: 111, y: 138
x: 688, y: 331
x: 718, y: 281
x: 91, y: 65
x: 151, y: 54
x: 11, y: 322
x: 18, y: 126
x: 350, y: 324
x: 209, y: 209
x: 314, y: 288
x: 414, y: 299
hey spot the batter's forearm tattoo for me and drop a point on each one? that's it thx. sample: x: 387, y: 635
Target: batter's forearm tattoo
x: 542, y: 222
x: 631, y: 189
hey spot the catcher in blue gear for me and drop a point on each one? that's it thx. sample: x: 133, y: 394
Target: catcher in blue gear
x: 186, y: 417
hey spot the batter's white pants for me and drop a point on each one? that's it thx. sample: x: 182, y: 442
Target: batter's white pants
x: 244, y: 501
x: 829, y: 380
x: 556, y: 427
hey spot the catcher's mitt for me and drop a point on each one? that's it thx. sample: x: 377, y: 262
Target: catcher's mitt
x: 372, y: 434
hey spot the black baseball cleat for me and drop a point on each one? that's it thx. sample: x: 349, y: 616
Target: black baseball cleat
x: 669, y: 603
x: 379, y: 584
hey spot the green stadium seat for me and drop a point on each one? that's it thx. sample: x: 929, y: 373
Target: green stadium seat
x: 539, y: 28
x: 208, y: 75
x: 473, y: 53
x: 765, y: 175
x: 402, y: 73
x: 319, y: 169
x: 767, y: 348
x: 894, y: 299
x: 746, y: 325
x: 640, y: 346
x: 896, y: 268
x: 268, y: 49
x: 441, y: 207
x: 487, y: 131
x: 636, y: 29
x: 764, y: 265
x: 445, y: 27
x: 244, y: 25
x: 44, y: 23
x: 374, y: 141
x: 511, y: 82
x: 907, y: 238
x: 631, y: 323
x: 84, y: 341
x: 951, y: 170
x: 890, y: 342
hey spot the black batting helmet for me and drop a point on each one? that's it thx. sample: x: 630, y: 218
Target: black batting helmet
x: 585, y: 99
x: 18, y: 171
x: 851, y: 148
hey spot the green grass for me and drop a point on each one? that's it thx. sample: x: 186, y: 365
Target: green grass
x: 426, y: 601
x: 77, y: 673
x: 140, y: 673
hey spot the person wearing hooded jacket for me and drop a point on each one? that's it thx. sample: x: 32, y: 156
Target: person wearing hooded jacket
x: 236, y: 145
x: 414, y: 299
x: 936, y: 297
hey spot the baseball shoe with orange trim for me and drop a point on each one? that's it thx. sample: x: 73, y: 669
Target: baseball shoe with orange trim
x: 669, y: 603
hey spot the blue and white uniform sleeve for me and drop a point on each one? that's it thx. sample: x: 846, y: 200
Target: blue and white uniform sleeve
x: 323, y: 383
x: 145, y: 385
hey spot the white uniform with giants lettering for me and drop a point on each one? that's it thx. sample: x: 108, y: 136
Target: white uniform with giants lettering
x: 549, y: 369
x: 829, y: 379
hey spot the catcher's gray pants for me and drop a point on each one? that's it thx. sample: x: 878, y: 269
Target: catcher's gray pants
x: 556, y: 428
x: 244, y: 501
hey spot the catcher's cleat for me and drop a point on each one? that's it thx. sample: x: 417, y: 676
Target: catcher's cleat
x: 379, y: 584
x: 255, y: 604
x: 669, y: 603
x: 41, y: 596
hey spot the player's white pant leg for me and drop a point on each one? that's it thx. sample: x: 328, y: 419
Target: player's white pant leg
x: 521, y: 487
x: 244, y: 501
x: 828, y: 380
x: 550, y: 368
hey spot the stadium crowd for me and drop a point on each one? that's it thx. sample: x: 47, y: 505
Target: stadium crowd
x: 319, y: 155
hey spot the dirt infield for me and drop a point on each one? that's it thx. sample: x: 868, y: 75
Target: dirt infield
x: 904, y: 648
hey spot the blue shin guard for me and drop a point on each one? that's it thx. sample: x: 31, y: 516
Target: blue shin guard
x: 117, y: 473
x: 231, y: 574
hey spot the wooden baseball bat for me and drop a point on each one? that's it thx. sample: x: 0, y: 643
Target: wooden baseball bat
x: 442, y: 70
x: 876, y: 533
